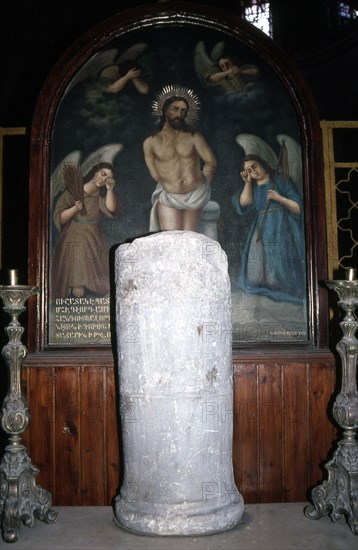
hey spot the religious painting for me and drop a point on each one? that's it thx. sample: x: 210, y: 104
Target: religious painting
x: 178, y: 127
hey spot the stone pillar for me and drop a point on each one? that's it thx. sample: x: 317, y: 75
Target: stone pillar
x: 173, y: 320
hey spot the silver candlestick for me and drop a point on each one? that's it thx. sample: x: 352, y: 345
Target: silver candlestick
x: 20, y: 499
x: 339, y: 494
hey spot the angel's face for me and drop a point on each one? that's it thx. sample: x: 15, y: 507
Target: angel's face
x: 225, y: 64
x: 255, y: 170
x: 102, y: 176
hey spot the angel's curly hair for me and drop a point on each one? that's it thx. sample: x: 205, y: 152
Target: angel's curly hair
x: 95, y: 169
x: 227, y: 55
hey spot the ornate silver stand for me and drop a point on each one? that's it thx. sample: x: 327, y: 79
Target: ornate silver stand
x: 339, y: 494
x: 20, y: 499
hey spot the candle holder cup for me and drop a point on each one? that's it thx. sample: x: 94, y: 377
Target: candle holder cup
x: 21, y: 500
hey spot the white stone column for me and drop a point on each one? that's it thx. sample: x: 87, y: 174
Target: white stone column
x: 173, y: 320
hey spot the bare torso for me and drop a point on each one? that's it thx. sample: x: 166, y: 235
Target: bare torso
x: 173, y: 159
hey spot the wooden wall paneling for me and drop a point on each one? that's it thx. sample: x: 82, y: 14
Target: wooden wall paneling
x: 74, y: 425
x: 68, y: 437
x: 296, y: 432
x: 39, y: 439
x: 43, y: 409
x: 112, y: 438
x: 93, y: 435
x: 245, y: 434
x: 323, y: 432
x: 270, y: 433
x: 282, y: 432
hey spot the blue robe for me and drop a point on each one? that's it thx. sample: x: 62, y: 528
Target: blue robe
x: 273, y: 259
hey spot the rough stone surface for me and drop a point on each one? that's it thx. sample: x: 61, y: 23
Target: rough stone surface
x: 173, y: 320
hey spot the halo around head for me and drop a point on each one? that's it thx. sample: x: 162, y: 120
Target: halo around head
x: 181, y: 91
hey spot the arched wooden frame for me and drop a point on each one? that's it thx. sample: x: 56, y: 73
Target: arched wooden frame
x: 188, y: 16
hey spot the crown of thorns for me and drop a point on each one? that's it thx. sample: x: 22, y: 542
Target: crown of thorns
x: 180, y: 91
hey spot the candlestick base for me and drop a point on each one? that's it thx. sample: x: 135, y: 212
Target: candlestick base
x: 339, y: 494
x: 21, y: 500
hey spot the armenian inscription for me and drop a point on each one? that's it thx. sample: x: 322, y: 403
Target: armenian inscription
x: 81, y: 321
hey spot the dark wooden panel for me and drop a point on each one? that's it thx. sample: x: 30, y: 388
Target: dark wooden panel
x: 282, y: 431
x: 112, y: 438
x: 296, y: 431
x: 322, y: 431
x: 68, y: 437
x: 42, y: 406
x: 93, y: 432
x: 245, y: 447
x: 271, y: 433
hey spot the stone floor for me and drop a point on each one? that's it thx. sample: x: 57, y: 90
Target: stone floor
x: 264, y: 527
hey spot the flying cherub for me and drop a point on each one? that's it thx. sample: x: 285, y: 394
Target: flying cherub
x: 220, y: 68
x: 80, y: 193
x: 114, y: 70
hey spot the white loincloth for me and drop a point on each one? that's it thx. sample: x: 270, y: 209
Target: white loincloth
x: 181, y: 201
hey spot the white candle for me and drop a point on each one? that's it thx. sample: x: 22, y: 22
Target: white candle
x: 14, y: 277
x: 351, y: 274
